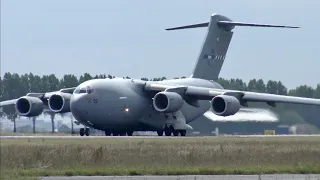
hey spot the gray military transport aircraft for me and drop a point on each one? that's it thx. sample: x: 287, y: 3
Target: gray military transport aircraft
x: 121, y: 106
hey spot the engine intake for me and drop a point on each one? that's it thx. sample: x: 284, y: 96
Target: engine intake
x: 167, y: 102
x: 224, y: 105
x: 60, y: 102
x: 29, y: 106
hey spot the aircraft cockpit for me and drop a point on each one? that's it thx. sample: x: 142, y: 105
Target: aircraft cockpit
x: 83, y: 90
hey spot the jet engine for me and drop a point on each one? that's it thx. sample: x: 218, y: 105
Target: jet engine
x: 29, y: 106
x: 167, y: 102
x: 223, y: 105
x: 60, y: 102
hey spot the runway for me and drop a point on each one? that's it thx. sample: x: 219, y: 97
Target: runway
x: 150, y: 137
x: 194, y: 177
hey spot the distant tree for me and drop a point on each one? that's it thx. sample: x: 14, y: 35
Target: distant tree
x: 157, y: 79
x: 302, y: 91
x: 272, y: 87
x: 53, y: 83
x: 224, y: 83
x: 110, y: 77
x: 103, y: 76
x: 11, y: 90
x: 257, y: 86
x: 100, y: 76
x: 36, y: 84
x: 316, y: 93
x: 85, y: 77
x: 237, y: 84
x: 69, y: 80
x: 281, y: 89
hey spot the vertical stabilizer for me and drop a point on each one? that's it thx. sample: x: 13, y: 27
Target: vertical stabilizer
x: 216, y: 44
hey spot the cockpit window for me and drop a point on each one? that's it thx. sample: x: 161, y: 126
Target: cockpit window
x: 89, y: 90
x: 82, y: 90
x: 76, y: 91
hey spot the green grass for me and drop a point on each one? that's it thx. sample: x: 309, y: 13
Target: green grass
x: 34, y: 134
x: 173, y: 156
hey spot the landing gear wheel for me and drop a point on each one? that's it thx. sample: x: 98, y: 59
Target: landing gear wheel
x: 82, y: 132
x: 160, y: 132
x: 87, y: 131
x: 167, y: 133
x: 122, y: 133
x: 176, y: 133
x: 108, y: 133
x: 130, y: 133
x: 168, y: 130
x: 183, y: 132
x: 115, y: 134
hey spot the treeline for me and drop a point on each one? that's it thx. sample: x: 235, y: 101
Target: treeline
x: 14, y: 85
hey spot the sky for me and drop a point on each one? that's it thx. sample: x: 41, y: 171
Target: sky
x: 128, y: 38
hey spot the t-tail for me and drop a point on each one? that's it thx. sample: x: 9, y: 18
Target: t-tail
x: 216, y: 43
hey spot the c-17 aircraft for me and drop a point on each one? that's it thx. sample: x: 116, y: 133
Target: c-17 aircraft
x: 122, y: 106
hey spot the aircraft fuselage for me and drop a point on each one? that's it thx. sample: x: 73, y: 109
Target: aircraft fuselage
x: 122, y: 104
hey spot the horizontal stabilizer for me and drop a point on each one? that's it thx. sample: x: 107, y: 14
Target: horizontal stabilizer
x: 252, y: 24
x: 230, y: 23
x: 190, y: 26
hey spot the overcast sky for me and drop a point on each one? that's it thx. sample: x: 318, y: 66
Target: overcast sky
x: 125, y: 37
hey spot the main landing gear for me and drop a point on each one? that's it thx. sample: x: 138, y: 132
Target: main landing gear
x: 84, y: 131
x: 169, y: 130
x: 118, y: 133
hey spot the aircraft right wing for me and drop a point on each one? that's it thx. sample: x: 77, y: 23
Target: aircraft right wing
x: 222, y: 99
x: 33, y: 104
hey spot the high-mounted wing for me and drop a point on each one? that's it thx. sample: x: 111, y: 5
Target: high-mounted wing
x: 8, y: 102
x: 33, y: 104
x: 224, y: 102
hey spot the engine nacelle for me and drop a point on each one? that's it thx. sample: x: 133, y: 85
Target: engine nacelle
x: 167, y: 102
x: 60, y: 102
x: 223, y: 105
x: 29, y: 106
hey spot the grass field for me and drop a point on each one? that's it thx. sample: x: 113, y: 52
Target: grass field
x: 35, y: 134
x: 133, y: 156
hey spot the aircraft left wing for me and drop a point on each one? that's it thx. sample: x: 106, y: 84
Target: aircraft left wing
x: 36, y: 103
x: 225, y: 101
x: 8, y: 102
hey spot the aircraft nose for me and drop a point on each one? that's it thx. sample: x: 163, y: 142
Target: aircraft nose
x: 76, y: 106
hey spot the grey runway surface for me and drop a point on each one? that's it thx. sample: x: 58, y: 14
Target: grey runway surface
x: 128, y: 137
x: 194, y: 177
